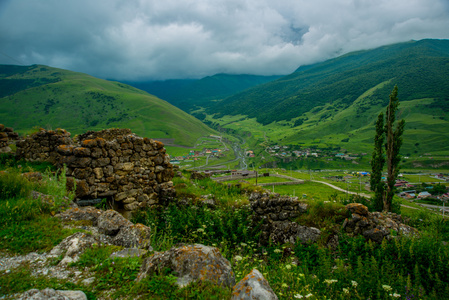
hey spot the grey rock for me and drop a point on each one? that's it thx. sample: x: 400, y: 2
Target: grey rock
x: 253, y: 286
x: 73, y: 246
x: 110, y: 222
x: 308, y: 234
x: 133, y: 236
x: 191, y: 263
x: 129, y: 252
x: 51, y: 294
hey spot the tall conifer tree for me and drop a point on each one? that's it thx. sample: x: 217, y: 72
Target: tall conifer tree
x: 384, y: 192
x: 377, y: 164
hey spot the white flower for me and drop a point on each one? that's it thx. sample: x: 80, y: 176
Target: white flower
x: 308, y: 295
x: 395, y: 295
x: 277, y: 250
x: 243, y: 244
x: 298, y: 296
x: 354, y: 283
x: 346, y: 290
x: 330, y: 281
x: 238, y: 258
x: 386, y: 288
x: 288, y: 267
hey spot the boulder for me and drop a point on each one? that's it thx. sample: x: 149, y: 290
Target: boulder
x: 35, y: 294
x: 87, y: 213
x: 357, y: 208
x: 110, y: 222
x: 253, y: 286
x: 73, y: 246
x: 308, y: 234
x: 133, y: 236
x: 191, y: 263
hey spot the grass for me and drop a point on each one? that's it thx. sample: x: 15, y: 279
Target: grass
x: 409, y: 266
x: 78, y: 102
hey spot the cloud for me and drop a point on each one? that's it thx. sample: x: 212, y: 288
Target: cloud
x: 138, y: 39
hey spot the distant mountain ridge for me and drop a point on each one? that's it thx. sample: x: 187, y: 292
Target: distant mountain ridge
x: 47, y: 97
x: 336, y: 102
x: 419, y: 68
x: 190, y: 94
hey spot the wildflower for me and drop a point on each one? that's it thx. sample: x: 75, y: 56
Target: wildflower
x: 204, y: 226
x: 354, y: 283
x: 277, y: 250
x: 345, y: 290
x: 308, y: 295
x: 330, y: 281
x: 386, y: 288
x: 395, y: 295
x: 200, y: 230
x: 288, y: 267
x: 298, y: 296
x: 243, y: 244
x: 238, y: 258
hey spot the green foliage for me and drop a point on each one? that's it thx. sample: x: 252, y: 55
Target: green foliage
x: 92, y: 257
x: 21, y: 280
x: 200, y: 224
x: 384, y: 192
x: 377, y: 164
x: 13, y: 185
x: 41, y: 233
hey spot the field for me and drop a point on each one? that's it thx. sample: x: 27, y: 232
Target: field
x: 355, y: 270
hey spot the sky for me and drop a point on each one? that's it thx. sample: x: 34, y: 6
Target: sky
x: 176, y: 39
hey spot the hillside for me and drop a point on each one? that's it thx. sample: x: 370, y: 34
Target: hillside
x: 190, y: 94
x: 336, y: 102
x: 51, y: 98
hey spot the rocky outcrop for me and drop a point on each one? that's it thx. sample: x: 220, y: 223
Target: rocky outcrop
x: 133, y: 171
x: 112, y: 227
x: 277, y: 214
x: 191, y: 263
x: 375, y: 226
x: 7, y: 136
x: 35, y: 294
x: 253, y: 286
x: 73, y: 246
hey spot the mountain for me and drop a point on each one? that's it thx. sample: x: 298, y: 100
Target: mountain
x: 338, y: 100
x: 47, y: 97
x: 189, y: 94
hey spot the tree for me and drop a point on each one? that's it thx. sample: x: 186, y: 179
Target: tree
x: 384, y: 192
x: 377, y: 164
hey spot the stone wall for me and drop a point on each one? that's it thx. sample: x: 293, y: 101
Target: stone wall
x: 133, y: 171
x: 276, y: 214
x: 7, y: 136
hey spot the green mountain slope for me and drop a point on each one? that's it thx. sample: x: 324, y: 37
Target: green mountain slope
x: 420, y: 69
x: 48, y: 97
x: 191, y: 94
x: 337, y: 101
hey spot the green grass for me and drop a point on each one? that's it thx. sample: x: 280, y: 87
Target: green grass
x: 78, y: 102
x: 414, y: 267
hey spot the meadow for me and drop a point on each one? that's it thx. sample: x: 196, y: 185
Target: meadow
x: 414, y: 267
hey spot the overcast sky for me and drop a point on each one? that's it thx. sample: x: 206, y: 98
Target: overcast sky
x: 167, y: 39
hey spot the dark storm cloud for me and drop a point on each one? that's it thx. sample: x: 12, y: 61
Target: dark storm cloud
x: 194, y: 38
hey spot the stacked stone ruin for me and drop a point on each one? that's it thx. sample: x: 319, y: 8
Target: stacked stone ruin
x: 277, y: 213
x: 7, y: 136
x: 116, y: 164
